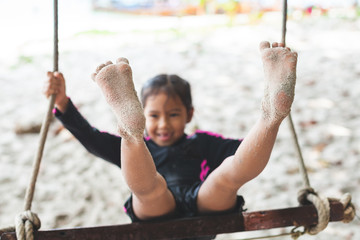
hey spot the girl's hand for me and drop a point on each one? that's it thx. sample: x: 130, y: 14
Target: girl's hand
x: 55, y: 84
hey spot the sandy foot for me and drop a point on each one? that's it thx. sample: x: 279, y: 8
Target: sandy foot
x: 280, y: 78
x: 116, y: 83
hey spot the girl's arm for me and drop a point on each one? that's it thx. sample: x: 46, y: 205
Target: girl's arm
x: 101, y: 144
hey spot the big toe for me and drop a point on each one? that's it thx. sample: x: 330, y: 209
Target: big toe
x: 122, y: 60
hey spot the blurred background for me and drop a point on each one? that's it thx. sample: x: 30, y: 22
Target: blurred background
x: 212, y: 44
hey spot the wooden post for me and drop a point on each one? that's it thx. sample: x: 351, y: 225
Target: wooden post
x: 194, y: 227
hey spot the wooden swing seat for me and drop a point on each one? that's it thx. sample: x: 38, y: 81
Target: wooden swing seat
x: 197, y: 226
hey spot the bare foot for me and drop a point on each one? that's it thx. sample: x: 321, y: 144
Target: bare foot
x: 280, y: 78
x: 116, y: 83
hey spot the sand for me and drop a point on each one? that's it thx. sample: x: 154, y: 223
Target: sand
x: 278, y: 98
x: 116, y: 84
x: 222, y: 63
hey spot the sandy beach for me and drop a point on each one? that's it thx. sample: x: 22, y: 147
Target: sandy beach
x: 222, y: 63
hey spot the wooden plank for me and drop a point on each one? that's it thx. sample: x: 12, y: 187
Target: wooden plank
x: 190, y: 227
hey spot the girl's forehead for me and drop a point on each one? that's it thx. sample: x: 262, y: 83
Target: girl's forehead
x: 162, y: 99
x: 163, y: 96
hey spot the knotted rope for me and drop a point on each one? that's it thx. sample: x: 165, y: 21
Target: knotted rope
x: 322, y: 205
x: 349, y: 208
x: 308, y: 195
x: 26, y: 222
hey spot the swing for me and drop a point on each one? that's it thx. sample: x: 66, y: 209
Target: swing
x: 313, y: 214
x: 197, y: 226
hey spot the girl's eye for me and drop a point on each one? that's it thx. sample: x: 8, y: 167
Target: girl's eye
x: 153, y: 115
x: 174, y: 114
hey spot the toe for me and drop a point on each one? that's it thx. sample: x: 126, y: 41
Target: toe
x: 274, y: 44
x: 100, y: 67
x: 264, y: 45
x: 93, y: 76
x: 122, y: 59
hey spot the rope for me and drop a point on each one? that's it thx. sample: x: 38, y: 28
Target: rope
x: 284, y: 19
x: 349, y: 208
x: 291, y: 123
x: 308, y: 195
x: 303, y: 170
x: 26, y: 222
x: 322, y: 206
x: 46, y: 122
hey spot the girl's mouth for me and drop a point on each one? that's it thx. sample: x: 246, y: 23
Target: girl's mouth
x: 164, y: 137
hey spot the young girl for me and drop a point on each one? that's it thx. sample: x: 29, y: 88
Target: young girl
x: 169, y: 173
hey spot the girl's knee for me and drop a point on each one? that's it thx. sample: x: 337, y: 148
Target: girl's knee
x: 158, y: 204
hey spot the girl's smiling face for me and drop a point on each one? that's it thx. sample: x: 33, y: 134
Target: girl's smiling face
x: 166, y: 118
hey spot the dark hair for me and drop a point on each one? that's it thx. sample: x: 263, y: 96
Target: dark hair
x: 172, y: 85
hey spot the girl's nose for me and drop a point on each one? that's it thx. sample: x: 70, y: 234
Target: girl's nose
x: 163, y: 122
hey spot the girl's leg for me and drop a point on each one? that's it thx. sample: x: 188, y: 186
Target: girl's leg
x: 218, y: 192
x: 151, y: 197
